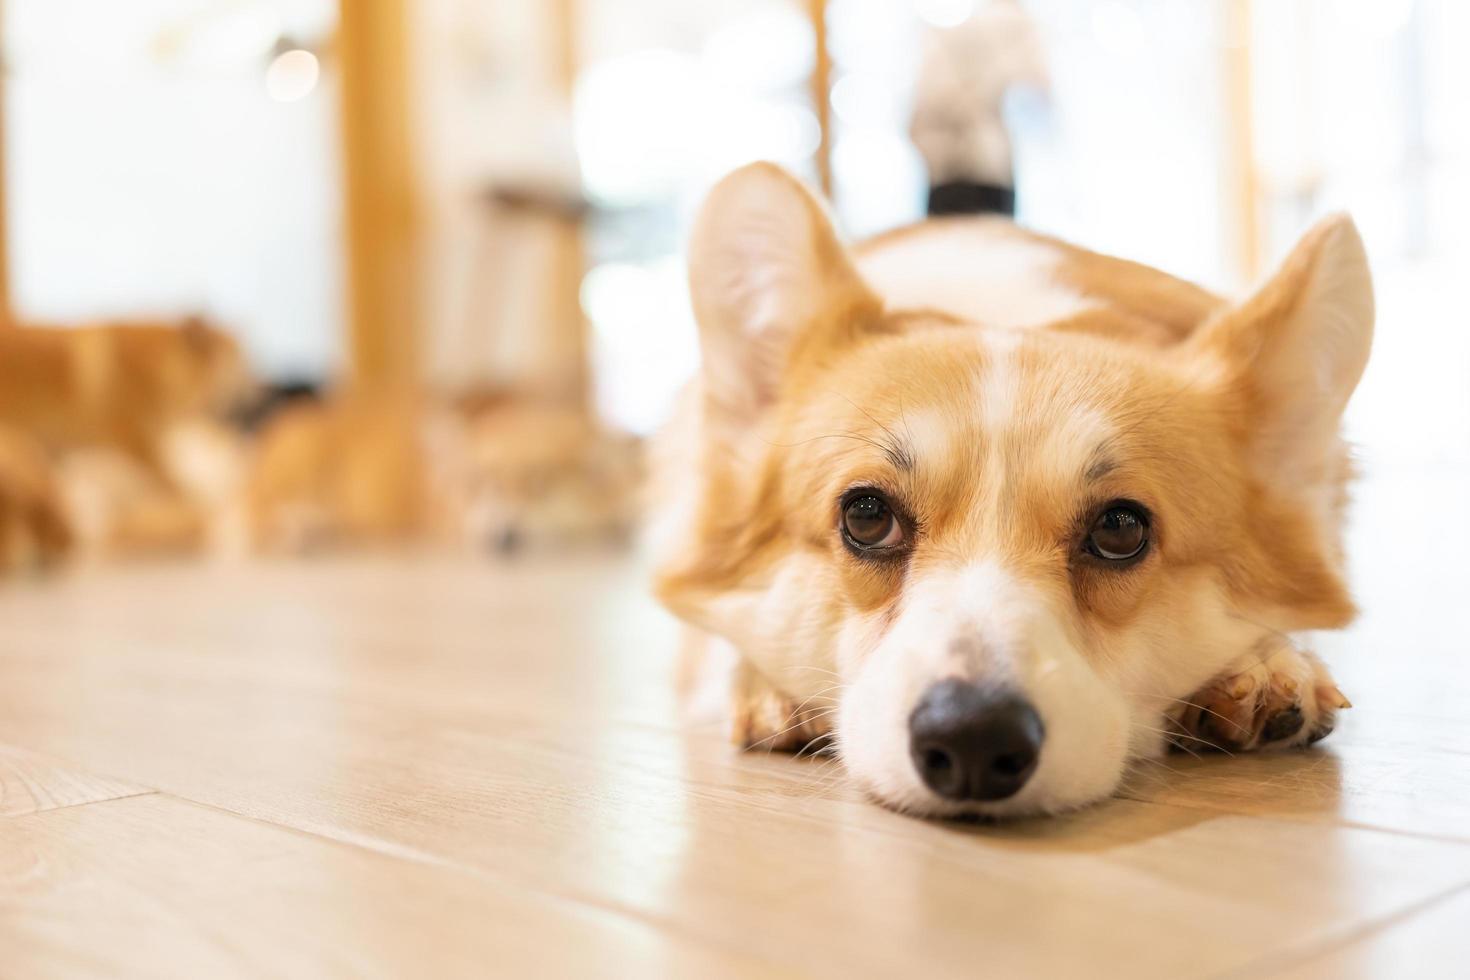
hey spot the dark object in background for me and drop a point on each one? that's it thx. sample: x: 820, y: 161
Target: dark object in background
x: 971, y: 197
x: 272, y: 398
x: 959, y: 123
x: 540, y: 200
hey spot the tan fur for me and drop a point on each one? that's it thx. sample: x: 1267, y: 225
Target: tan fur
x: 485, y: 472
x: 117, y: 507
x: 547, y: 475
x: 104, y: 402
x: 34, y: 532
x: 120, y: 385
x: 348, y: 471
x: 999, y: 444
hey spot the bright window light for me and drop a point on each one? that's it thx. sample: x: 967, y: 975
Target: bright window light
x: 292, y: 75
x: 766, y: 49
x: 944, y: 13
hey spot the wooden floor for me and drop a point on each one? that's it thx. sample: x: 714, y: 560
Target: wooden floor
x: 436, y: 767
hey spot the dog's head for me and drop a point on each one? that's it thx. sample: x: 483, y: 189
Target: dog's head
x: 1047, y: 532
x: 184, y: 369
x: 544, y: 476
x: 222, y: 382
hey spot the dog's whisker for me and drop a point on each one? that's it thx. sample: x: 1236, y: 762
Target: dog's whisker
x: 835, y: 775
x: 1136, y: 771
x: 816, y: 747
x: 1182, y: 734
x: 814, y: 667
x: 798, y: 709
x: 898, y: 443
x: 1170, y: 736
x: 792, y: 727
x: 1160, y: 763
x: 1209, y: 711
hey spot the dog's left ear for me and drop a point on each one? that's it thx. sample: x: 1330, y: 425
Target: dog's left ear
x: 1294, y: 351
x: 767, y: 274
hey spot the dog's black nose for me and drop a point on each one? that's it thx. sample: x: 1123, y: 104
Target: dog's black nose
x: 974, y: 743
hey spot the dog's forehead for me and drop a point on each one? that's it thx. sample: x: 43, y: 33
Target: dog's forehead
x: 988, y: 398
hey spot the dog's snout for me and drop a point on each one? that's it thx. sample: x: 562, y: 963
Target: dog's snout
x: 974, y: 743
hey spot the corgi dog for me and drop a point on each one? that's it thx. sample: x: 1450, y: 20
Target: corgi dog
x: 997, y: 516
x: 493, y: 472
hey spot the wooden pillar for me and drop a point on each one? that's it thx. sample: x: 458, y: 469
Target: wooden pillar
x: 381, y: 231
x: 822, y: 93
x: 1242, y: 198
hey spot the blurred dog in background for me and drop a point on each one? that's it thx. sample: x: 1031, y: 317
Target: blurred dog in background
x: 119, y: 385
x: 152, y: 438
x: 34, y: 530
x: 496, y: 471
x: 117, y: 415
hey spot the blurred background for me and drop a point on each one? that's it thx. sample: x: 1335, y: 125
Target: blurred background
x: 292, y: 275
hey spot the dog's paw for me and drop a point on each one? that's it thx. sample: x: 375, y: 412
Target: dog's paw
x: 765, y: 720
x: 1288, y: 699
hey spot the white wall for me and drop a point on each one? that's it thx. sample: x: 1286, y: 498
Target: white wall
x: 139, y: 186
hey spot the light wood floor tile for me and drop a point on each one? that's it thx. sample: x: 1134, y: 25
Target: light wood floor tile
x: 517, y: 725
x: 1431, y: 944
x: 30, y: 783
x: 155, y: 887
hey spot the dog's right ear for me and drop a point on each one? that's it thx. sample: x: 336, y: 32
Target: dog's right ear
x: 767, y: 275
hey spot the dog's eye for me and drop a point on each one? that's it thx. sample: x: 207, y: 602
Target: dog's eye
x: 869, y: 523
x: 1120, y: 532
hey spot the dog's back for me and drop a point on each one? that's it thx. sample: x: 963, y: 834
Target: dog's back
x: 117, y: 385
x: 987, y: 270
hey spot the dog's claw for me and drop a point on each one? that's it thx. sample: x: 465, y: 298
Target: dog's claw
x: 1263, y: 706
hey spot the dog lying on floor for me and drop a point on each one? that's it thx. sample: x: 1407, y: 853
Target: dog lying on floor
x: 494, y: 472
x: 998, y: 516
x: 127, y: 423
